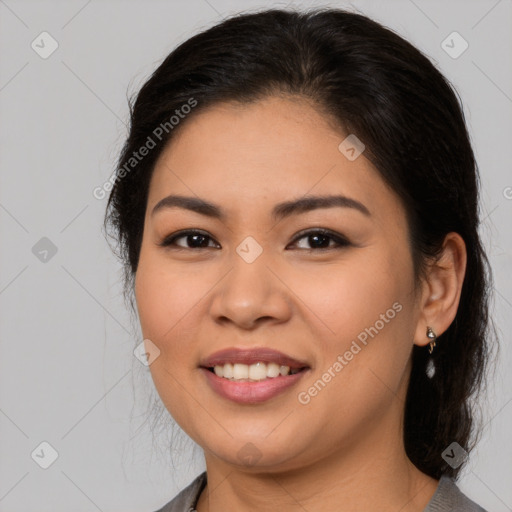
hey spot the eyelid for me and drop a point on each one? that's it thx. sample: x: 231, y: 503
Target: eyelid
x: 338, y: 238
x: 169, y: 240
x: 323, y: 231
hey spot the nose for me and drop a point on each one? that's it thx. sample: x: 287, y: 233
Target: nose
x: 250, y: 295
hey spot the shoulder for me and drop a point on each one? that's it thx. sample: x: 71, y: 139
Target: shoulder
x: 187, y: 498
x: 449, y: 498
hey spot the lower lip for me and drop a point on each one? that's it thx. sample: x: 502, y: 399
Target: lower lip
x: 251, y: 392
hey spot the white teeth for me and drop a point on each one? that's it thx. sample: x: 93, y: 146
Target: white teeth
x: 227, y: 371
x: 240, y: 371
x: 256, y: 371
x: 272, y: 370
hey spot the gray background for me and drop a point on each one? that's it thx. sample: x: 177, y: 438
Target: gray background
x: 67, y: 372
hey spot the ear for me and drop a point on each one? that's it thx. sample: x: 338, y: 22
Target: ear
x: 441, y: 289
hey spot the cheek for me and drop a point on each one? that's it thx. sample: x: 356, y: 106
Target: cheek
x: 363, y: 358
x: 167, y: 301
x: 349, y: 296
x: 362, y: 325
x: 165, y: 295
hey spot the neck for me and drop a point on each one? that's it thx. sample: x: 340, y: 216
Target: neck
x: 376, y: 475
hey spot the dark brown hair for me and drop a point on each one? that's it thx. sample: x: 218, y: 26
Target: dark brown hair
x: 379, y: 87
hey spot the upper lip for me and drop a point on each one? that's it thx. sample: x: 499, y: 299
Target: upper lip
x: 250, y: 356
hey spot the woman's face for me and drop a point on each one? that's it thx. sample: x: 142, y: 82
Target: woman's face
x: 346, y: 311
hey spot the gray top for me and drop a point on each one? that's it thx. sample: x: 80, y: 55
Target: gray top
x: 447, y: 498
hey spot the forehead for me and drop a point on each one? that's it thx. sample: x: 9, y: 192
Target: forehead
x: 278, y: 148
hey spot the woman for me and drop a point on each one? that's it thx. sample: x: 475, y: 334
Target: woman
x: 297, y: 210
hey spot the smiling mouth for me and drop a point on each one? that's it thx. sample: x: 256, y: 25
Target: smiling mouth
x: 253, y: 372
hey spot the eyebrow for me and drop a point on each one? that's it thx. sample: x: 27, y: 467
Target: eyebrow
x: 280, y: 211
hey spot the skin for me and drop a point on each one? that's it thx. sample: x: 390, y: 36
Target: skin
x: 343, y: 450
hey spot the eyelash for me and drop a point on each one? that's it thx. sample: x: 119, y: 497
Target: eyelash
x: 340, y: 240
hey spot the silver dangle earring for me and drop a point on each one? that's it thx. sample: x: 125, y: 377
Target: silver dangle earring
x: 431, y: 335
x: 431, y: 369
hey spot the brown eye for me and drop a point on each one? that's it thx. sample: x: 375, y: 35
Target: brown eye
x: 319, y: 239
x: 192, y: 240
x: 322, y: 239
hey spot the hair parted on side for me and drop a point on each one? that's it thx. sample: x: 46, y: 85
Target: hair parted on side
x: 374, y: 84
